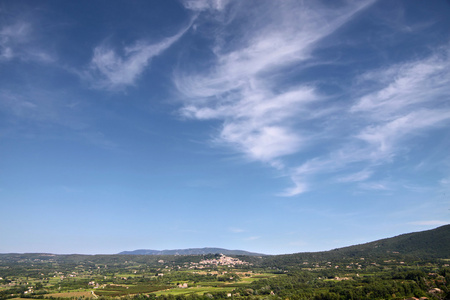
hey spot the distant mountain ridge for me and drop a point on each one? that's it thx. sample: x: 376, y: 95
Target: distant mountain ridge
x: 190, y: 251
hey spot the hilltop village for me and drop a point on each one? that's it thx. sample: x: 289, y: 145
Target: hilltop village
x: 223, y: 260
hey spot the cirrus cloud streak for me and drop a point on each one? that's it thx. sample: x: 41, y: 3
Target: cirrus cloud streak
x: 268, y: 118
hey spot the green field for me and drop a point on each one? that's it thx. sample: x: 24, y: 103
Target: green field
x: 200, y: 290
x: 120, y: 290
x: 278, y: 278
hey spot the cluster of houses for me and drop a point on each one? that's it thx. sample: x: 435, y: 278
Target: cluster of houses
x: 223, y: 260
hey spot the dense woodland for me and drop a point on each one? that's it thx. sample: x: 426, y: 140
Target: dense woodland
x: 409, y: 266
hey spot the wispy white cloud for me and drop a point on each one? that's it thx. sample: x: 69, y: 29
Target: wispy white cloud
x: 242, y: 87
x: 405, y: 100
x: 18, y: 40
x: 299, y: 187
x: 11, y: 37
x: 113, y: 70
x: 256, y: 124
x: 201, y: 5
x: 386, y: 136
x: 381, y: 186
x: 269, y: 119
x: 445, y: 181
x: 409, y: 99
x: 355, y: 177
x: 405, y: 85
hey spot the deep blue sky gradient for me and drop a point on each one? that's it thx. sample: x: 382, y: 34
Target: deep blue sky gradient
x: 268, y: 126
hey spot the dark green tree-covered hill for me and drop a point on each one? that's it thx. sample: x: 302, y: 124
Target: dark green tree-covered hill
x: 433, y: 243
x: 430, y: 244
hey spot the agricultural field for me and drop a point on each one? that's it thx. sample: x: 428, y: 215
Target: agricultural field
x: 221, y: 277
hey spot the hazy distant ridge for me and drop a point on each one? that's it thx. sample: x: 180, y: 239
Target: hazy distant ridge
x: 190, y: 251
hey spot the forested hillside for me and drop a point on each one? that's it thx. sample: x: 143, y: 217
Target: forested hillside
x: 430, y: 244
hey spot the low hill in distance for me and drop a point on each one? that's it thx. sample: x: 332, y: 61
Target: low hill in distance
x: 190, y: 251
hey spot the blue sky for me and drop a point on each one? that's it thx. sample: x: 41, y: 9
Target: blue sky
x: 267, y: 126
